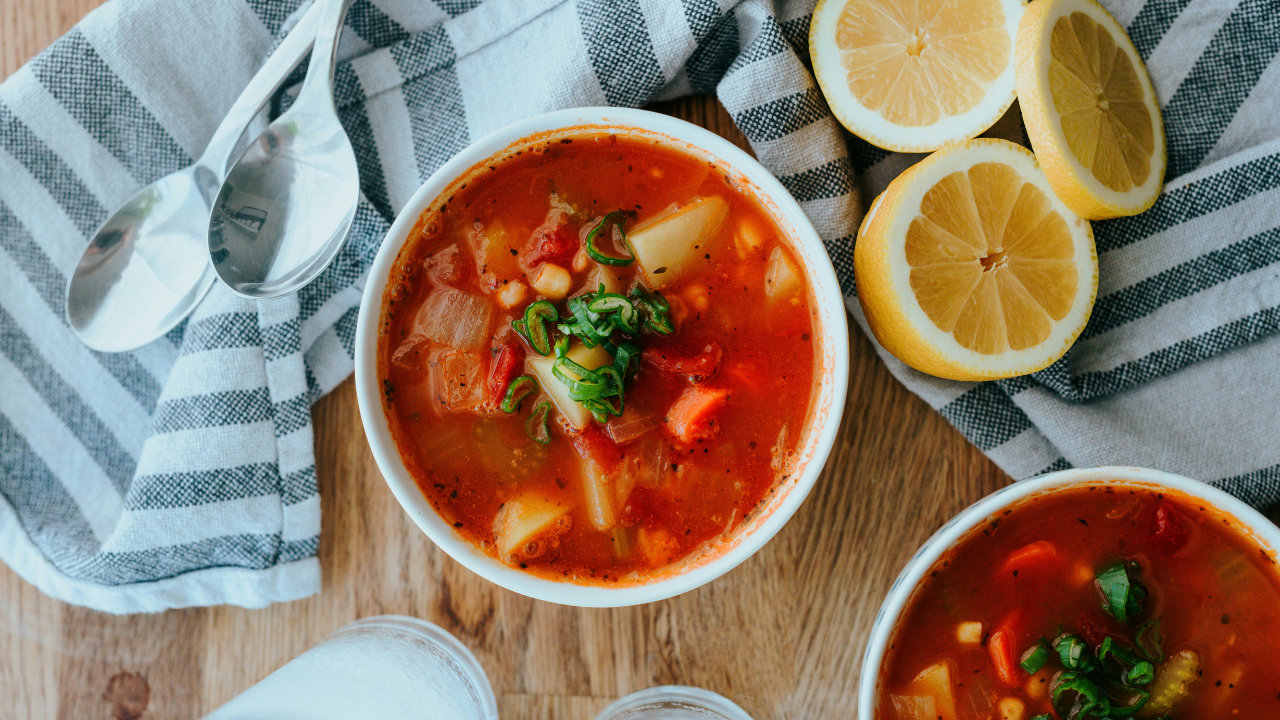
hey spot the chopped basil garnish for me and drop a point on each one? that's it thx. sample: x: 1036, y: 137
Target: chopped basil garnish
x: 1122, y: 595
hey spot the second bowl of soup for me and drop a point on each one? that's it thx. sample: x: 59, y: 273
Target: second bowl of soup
x: 601, y: 357
x: 1091, y: 593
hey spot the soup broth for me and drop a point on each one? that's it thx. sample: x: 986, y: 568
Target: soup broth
x: 644, y: 450
x: 1096, y: 601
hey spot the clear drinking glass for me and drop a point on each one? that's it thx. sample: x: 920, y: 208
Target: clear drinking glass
x: 673, y: 702
x: 389, y: 667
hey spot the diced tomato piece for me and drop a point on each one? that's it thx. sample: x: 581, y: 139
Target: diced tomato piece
x: 1168, y: 532
x: 1003, y: 653
x: 554, y: 241
x: 1038, y: 555
x: 506, y: 365
x: 697, y: 368
x: 1095, y: 627
x: 594, y: 445
x: 691, y: 417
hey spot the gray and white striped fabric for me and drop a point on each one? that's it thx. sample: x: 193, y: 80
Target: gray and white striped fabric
x: 182, y: 473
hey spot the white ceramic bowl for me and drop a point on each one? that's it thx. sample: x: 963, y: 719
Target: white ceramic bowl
x: 1261, y: 530
x: 827, y: 405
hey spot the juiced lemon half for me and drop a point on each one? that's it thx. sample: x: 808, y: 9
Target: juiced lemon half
x: 1089, y: 108
x: 968, y: 267
x: 912, y: 76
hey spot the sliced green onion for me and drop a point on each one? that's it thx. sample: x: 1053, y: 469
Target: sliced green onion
x: 1042, y: 716
x: 536, y: 426
x: 618, y: 218
x: 626, y: 359
x: 1034, y: 658
x: 518, y: 390
x: 1141, y: 674
x: 656, y: 310
x: 1074, y: 654
x: 1150, y: 640
x: 1124, y: 711
x: 1122, y: 596
x: 534, y: 325
x: 624, y: 317
x: 1092, y: 699
x: 1111, y: 648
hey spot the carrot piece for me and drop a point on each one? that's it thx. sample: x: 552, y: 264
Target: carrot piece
x: 690, y: 417
x: 1000, y: 646
x: 1036, y: 556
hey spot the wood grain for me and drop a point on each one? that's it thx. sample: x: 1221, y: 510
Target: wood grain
x: 782, y: 635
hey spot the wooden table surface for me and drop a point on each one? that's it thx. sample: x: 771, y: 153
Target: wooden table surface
x: 782, y: 635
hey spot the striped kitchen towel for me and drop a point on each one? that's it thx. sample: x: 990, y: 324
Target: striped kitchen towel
x: 182, y: 473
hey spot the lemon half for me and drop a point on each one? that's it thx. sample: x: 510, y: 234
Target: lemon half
x: 915, y: 75
x: 1089, y: 108
x: 969, y: 267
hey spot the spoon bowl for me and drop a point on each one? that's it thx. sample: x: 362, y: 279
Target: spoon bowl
x: 147, y: 267
x: 287, y: 205
x: 144, y: 271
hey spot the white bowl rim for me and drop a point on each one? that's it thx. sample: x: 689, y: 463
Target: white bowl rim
x: 823, y: 423
x: 1259, y: 527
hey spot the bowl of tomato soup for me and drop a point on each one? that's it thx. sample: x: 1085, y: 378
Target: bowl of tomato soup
x: 601, y: 357
x: 1102, y: 592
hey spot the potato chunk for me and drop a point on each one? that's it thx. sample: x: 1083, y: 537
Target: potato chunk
x: 572, y: 410
x: 781, y: 278
x: 527, y: 524
x: 667, y: 245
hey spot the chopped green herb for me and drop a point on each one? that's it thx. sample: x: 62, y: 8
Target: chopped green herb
x: 614, y: 219
x: 518, y: 390
x: 534, y: 325
x: 1077, y: 696
x: 1141, y: 674
x: 1035, y: 657
x: 1074, y: 653
x: 655, y: 309
x: 536, y: 425
x: 1122, y: 596
x: 1150, y: 640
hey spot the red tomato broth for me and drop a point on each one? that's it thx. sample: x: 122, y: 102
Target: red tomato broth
x: 1217, y: 594
x: 469, y: 464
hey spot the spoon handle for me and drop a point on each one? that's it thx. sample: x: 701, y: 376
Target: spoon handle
x: 320, y: 72
x: 287, y: 55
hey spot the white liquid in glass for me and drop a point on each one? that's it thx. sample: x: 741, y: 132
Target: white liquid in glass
x: 387, y: 667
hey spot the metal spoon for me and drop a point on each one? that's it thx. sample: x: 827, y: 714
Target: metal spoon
x: 287, y: 205
x: 147, y: 266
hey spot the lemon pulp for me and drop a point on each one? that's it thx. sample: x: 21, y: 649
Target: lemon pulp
x: 1099, y: 98
x: 991, y: 260
x: 916, y: 61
